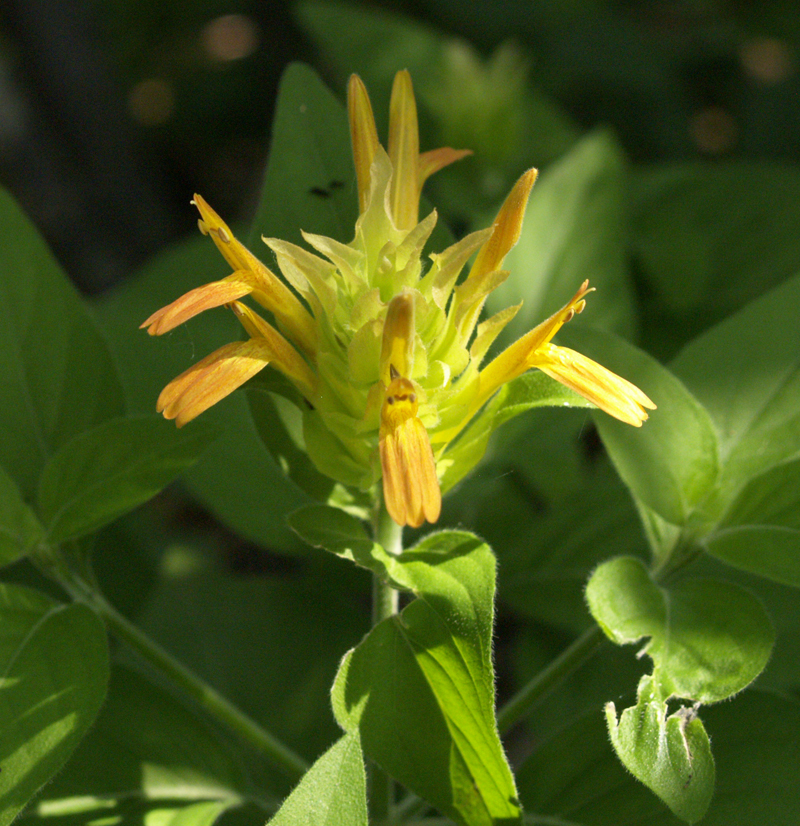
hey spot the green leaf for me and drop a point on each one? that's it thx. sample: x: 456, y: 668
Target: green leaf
x: 754, y: 397
x: 309, y: 155
x: 575, y: 228
x: 670, y: 463
x: 528, y: 391
x: 336, y: 531
x: 56, y: 376
x: 761, y: 531
x: 574, y: 778
x: 54, y: 660
x: 19, y: 527
x: 420, y: 687
x: 670, y: 754
x: 333, y: 791
x: 162, y: 754
x: 112, y: 469
x: 708, y: 639
x: 253, y: 508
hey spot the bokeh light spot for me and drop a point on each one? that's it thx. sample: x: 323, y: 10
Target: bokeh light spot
x: 766, y: 60
x: 713, y: 130
x: 230, y: 37
x: 151, y: 102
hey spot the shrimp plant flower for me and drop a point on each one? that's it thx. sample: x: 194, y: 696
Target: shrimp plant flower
x: 386, y: 355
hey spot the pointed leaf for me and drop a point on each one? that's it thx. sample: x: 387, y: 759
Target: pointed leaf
x: 307, y: 184
x: 670, y: 463
x: 754, y: 398
x: 112, y: 469
x: 56, y: 376
x: 54, y: 661
x: 420, y: 687
x: 19, y: 527
x: 332, y: 793
x: 761, y: 531
x: 575, y: 227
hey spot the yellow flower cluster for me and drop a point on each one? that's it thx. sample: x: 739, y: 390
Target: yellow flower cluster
x: 387, y: 353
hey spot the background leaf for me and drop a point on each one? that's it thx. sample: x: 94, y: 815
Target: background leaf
x: 671, y: 462
x: 575, y: 228
x: 112, y: 469
x: 19, y: 527
x: 420, y: 687
x: 56, y: 375
x: 55, y: 666
x: 754, y: 397
x: 254, y: 509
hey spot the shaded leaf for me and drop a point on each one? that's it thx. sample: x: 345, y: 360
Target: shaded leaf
x: 56, y: 376
x: 112, y: 469
x: 670, y: 463
x: 575, y: 228
x: 19, y: 527
x: 54, y: 660
x: 256, y: 509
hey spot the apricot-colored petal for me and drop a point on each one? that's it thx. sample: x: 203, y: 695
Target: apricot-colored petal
x: 283, y: 355
x: 363, y: 136
x: 433, y: 160
x: 211, y: 379
x: 190, y: 304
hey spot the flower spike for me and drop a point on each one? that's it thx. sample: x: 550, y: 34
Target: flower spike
x: 386, y: 352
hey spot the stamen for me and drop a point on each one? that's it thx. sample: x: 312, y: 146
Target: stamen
x: 202, y: 226
x: 223, y: 236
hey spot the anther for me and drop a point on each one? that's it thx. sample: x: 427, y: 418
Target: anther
x: 201, y: 225
x: 223, y: 236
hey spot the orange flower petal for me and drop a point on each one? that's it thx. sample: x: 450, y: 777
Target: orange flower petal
x: 211, y: 379
x: 215, y: 294
x: 507, y: 227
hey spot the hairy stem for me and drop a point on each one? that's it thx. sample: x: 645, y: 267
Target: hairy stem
x: 389, y: 535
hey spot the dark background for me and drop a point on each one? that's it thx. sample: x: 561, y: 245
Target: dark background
x: 113, y: 112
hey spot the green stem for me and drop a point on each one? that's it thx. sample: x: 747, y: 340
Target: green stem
x: 561, y: 667
x: 223, y: 711
x: 389, y: 535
